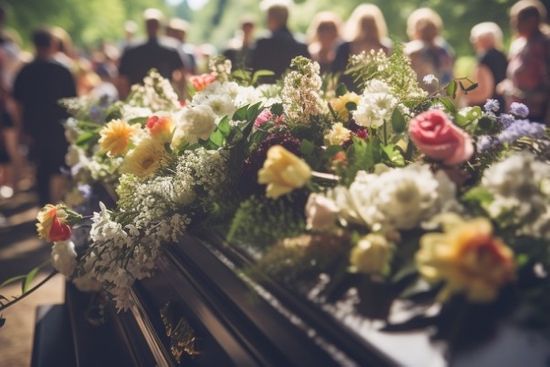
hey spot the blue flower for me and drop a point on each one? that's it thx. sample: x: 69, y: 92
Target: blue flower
x: 519, y: 109
x: 485, y: 142
x: 519, y: 129
x: 491, y: 105
x: 506, y: 120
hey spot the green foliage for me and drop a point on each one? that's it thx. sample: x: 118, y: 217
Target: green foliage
x: 88, y: 22
x: 302, y: 258
x: 259, y: 222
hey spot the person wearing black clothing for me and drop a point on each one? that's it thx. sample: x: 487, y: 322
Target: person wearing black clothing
x: 276, y: 51
x: 240, y: 47
x: 160, y: 54
x: 491, y: 64
x: 38, y: 87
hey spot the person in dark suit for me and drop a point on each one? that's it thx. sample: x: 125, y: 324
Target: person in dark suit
x: 157, y: 53
x: 38, y: 87
x: 276, y: 51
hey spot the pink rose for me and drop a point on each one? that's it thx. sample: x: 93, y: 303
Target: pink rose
x: 437, y: 137
x: 265, y: 116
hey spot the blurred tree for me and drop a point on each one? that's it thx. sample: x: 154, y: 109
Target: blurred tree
x: 87, y: 21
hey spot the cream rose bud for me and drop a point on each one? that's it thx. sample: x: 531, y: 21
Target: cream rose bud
x: 337, y: 135
x: 320, y: 212
x: 372, y: 255
x: 64, y: 257
x: 283, y: 172
x: 194, y: 123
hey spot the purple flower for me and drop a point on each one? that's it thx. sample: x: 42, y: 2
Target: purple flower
x: 519, y: 109
x: 485, y: 142
x: 519, y: 129
x: 506, y: 120
x: 491, y: 105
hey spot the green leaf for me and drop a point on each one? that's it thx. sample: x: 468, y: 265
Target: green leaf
x: 478, y: 194
x: 85, y: 138
x: 12, y: 280
x: 398, y: 121
x: 307, y: 148
x: 341, y: 90
x: 451, y: 89
x: 261, y: 74
x: 472, y: 87
x: 449, y: 105
x: 394, y: 155
x: 277, y: 109
x: 26, y: 284
x: 240, y: 114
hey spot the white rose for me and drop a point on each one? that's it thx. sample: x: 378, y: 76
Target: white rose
x: 194, y: 123
x: 64, y: 257
x: 320, y: 212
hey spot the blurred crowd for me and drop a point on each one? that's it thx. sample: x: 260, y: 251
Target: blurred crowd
x: 30, y: 85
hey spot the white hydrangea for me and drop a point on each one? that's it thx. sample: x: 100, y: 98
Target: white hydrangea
x: 64, y: 257
x: 400, y: 198
x: 376, y: 105
x: 519, y: 186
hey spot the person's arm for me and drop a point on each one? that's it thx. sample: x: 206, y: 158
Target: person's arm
x: 486, y: 86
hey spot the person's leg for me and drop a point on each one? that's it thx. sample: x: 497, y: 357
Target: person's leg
x: 43, y: 175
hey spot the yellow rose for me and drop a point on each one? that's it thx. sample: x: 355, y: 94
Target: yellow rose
x: 337, y: 135
x: 115, y: 137
x: 468, y: 258
x: 339, y: 105
x: 283, y: 172
x: 372, y: 255
x: 53, y: 223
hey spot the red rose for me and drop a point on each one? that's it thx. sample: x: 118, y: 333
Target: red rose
x: 60, y: 231
x: 437, y: 137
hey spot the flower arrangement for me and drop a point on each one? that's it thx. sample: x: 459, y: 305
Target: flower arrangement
x: 393, y: 185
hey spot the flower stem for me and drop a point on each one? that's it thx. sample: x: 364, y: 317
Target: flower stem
x: 15, y: 300
x: 325, y: 176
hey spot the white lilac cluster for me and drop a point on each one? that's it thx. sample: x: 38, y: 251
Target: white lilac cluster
x: 301, y: 91
x: 120, y: 254
x: 156, y: 93
x: 149, y: 214
x: 520, y: 189
x: 376, y: 105
x: 399, y: 198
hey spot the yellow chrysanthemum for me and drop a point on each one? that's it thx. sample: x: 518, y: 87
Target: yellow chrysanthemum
x: 340, y: 104
x: 145, y: 159
x: 468, y: 258
x: 283, y: 172
x: 115, y: 137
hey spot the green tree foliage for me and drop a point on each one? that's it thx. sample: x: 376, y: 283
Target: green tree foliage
x: 87, y: 21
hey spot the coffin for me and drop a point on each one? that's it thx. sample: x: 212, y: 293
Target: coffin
x: 202, y: 308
